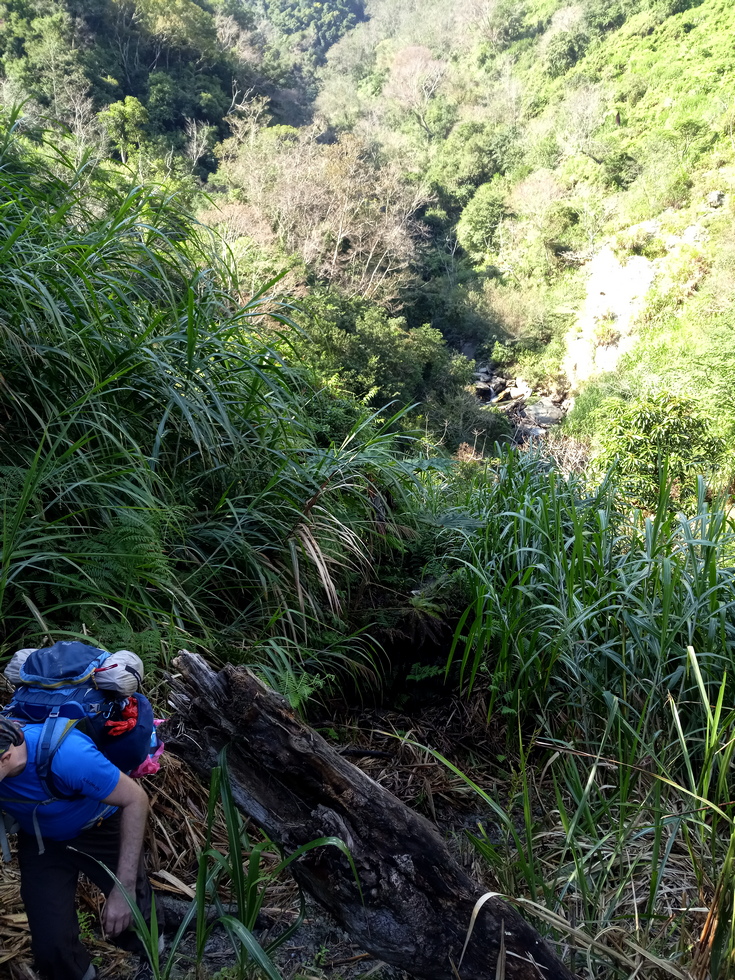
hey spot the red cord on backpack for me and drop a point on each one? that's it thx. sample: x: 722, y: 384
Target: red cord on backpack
x: 127, y: 721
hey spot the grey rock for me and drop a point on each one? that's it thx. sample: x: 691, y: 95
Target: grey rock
x: 544, y: 412
x: 715, y: 199
x: 524, y: 387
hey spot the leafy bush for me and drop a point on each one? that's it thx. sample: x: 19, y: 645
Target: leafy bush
x: 564, y: 49
x: 459, y: 418
x: 621, y: 169
x: 477, y: 227
x: 470, y: 156
x: 661, y: 434
x: 359, y: 348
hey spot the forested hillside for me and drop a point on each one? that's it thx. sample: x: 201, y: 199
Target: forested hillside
x: 548, y: 186
x: 253, y: 256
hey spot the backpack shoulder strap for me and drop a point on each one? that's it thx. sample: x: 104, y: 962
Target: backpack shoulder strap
x: 54, y: 731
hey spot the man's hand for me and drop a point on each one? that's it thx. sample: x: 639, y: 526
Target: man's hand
x: 130, y: 797
x: 116, y: 915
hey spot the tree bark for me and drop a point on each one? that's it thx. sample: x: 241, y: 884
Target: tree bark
x: 417, y: 902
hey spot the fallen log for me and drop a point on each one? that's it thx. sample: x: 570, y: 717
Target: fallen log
x: 416, y: 902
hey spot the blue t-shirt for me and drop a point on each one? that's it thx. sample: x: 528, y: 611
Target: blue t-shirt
x: 78, y: 767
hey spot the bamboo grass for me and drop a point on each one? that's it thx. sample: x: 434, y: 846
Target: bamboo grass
x: 158, y: 464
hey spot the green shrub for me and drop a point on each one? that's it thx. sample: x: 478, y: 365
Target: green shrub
x: 661, y: 434
x: 501, y: 355
x: 460, y: 418
x: 359, y: 349
x: 470, y: 156
x: 620, y: 169
x: 564, y: 50
x: 478, y: 225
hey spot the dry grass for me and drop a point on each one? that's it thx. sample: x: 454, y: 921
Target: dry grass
x: 455, y: 727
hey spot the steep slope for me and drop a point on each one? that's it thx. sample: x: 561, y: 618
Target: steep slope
x: 569, y: 151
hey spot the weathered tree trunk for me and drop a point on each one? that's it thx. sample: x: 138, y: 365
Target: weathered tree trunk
x: 416, y: 901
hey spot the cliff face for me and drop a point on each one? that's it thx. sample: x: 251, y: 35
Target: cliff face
x: 604, y: 330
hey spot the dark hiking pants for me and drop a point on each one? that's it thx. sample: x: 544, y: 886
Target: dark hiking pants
x: 48, y: 884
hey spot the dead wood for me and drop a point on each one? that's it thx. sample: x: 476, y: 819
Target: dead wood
x: 416, y: 902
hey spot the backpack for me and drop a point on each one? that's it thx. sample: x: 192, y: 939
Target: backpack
x: 71, y: 685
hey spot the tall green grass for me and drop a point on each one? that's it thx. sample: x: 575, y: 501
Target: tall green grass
x: 628, y: 863
x: 577, y: 598
x: 604, y: 638
x: 160, y: 476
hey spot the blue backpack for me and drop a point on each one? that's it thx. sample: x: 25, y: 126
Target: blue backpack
x: 71, y: 686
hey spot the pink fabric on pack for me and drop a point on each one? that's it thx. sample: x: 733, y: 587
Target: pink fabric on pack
x: 151, y: 763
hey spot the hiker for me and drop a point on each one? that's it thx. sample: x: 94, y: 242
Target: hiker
x: 97, y: 812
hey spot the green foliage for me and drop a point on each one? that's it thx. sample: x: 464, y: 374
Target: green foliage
x: 567, y: 843
x: 38, y: 45
x: 564, y: 50
x: 181, y: 24
x: 176, y: 61
x: 161, y: 475
x: 328, y: 21
x: 504, y: 23
x: 125, y: 122
x: 360, y: 348
x: 598, y: 116
x: 470, y: 156
x: 182, y: 460
x: 356, y: 349
x: 576, y: 592
x: 333, y: 416
x: 422, y: 672
x: 459, y: 418
x: 603, y: 15
x: 621, y: 170
x: 477, y: 228
x: 586, y: 610
x: 658, y: 434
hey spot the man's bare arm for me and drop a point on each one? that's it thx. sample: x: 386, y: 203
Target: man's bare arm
x: 131, y: 799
